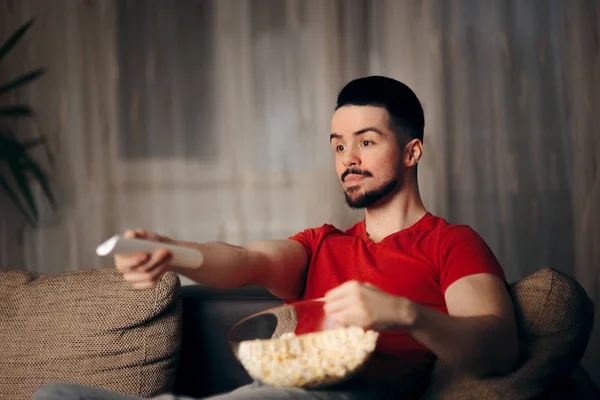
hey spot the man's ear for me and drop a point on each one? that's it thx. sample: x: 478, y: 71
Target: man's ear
x: 413, y: 152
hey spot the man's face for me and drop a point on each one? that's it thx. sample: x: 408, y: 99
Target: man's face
x: 367, y: 155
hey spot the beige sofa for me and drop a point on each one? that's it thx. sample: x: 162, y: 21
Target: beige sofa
x: 90, y: 327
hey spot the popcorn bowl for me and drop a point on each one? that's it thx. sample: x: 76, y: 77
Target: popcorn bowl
x: 296, y: 345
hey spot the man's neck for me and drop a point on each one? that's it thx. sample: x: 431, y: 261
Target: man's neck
x: 400, y: 211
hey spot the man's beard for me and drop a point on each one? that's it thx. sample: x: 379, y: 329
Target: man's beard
x: 371, y: 197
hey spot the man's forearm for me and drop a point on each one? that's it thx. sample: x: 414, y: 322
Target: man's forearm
x: 278, y: 265
x: 225, y: 266
x: 476, y: 345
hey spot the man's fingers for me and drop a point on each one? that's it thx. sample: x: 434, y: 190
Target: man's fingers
x: 332, y: 308
x: 343, y: 306
x: 142, y: 261
x: 141, y: 233
x: 152, y: 276
x: 147, y: 235
x: 144, y: 285
x: 158, y: 257
x: 143, y: 270
x: 342, y: 290
x: 344, y: 318
x: 147, y: 284
x: 336, y: 293
x: 127, y: 263
x: 149, y: 273
x: 338, y: 304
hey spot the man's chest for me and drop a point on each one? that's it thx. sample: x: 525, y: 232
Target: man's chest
x: 402, y: 269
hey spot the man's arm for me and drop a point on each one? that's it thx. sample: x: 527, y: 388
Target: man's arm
x: 479, y: 334
x: 278, y: 265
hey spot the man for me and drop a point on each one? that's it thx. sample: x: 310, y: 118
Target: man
x: 432, y: 289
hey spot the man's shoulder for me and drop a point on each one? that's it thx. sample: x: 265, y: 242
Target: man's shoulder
x: 449, y: 234
x: 328, y: 229
x: 356, y: 229
x: 445, y: 227
x: 321, y: 230
x: 445, y: 232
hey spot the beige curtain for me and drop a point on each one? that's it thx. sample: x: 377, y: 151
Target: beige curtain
x: 208, y: 120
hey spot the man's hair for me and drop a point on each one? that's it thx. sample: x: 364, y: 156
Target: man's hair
x: 398, y: 99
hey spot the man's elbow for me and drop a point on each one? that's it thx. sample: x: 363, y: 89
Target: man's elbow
x: 286, y: 287
x: 502, y: 362
x: 509, y: 350
x: 499, y: 359
x: 508, y: 357
x: 505, y: 348
x: 498, y: 367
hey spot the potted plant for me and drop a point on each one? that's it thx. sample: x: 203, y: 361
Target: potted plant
x: 18, y: 169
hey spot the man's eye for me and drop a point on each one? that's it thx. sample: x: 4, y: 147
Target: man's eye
x: 366, y: 143
x: 339, y: 148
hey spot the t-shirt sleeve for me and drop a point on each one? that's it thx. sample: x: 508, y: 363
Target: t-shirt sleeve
x: 308, y: 239
x: 311, y: 238
x: 462, y: 253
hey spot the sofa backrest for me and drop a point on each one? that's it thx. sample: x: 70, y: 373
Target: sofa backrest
x: 207, y: 365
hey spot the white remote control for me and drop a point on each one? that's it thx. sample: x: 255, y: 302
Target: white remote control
x: 119, y: 245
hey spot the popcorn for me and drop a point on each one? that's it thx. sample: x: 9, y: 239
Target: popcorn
x: 307, y: 360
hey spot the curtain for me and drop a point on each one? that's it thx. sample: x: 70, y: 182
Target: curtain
x: 209, y: 120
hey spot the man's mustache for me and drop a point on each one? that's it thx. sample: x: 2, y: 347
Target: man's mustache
x: 355, y: 171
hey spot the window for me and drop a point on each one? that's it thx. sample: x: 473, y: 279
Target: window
x: 165, y: 87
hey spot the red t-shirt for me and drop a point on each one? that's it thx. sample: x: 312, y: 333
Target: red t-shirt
x: 418, y: 263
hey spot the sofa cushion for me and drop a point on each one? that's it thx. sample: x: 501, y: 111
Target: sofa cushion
x: 88, y: 327
x: 554, y: 318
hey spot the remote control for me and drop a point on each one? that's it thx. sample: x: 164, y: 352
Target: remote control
x: 182, y: 256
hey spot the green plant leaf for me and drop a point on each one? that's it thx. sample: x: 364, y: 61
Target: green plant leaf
x: 15, y: 199
x: 18, y: 173
x: 33, y: 142
x: 13, y: 152
x: 40, y: 138
x: 14, y: 38
x: 10, y: 147
x: 6, y: 134
x: 42, y: 178
x: 16, y: 111
x: 21, y: 80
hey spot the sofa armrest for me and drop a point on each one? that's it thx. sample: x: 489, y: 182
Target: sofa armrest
x: 578, y: 385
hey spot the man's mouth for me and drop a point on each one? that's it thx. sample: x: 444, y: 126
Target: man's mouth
x: 354, y: 174
x: 353, y: 178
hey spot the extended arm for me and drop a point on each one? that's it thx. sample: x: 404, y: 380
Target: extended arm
x: 278, y: 265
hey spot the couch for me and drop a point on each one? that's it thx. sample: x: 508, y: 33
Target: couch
x: 207, y: 366
x: 90, y: 327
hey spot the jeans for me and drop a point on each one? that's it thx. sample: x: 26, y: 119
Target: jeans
x: 358, y: 389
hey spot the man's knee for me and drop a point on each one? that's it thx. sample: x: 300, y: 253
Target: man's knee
x: 50, y: 391
x: 74, y: 391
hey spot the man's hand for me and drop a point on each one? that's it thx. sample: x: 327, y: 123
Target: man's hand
x: 144, y: 270
x: 363, y: 305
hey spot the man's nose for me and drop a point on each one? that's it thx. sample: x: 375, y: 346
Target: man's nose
x: 351, y: 157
